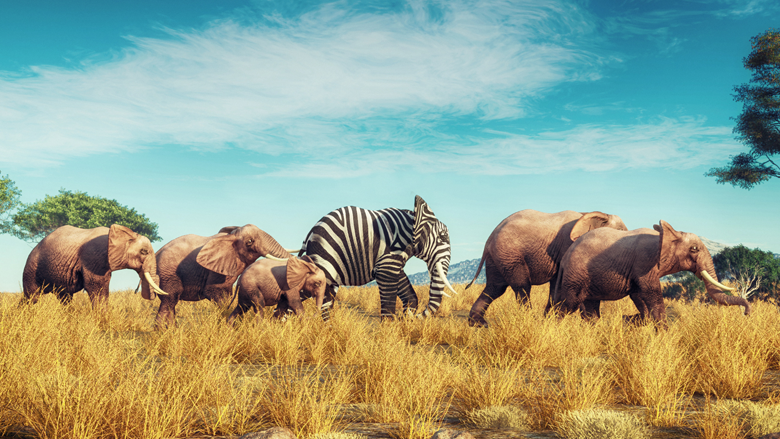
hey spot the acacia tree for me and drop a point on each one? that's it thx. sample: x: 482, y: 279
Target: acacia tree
x: 758, y: 126
x: 9, y: 199
x: 751, y: 271
x: 32, y: 222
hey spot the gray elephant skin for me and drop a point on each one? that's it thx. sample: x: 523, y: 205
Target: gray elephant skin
x: 268, y: 283
x: 526, y: 249
x: 193, y: 267
x: 70, y: 259
x: 608, y: 264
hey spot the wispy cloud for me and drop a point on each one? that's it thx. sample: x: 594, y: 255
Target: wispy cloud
x: 333, y: 78
x: 664, y: 143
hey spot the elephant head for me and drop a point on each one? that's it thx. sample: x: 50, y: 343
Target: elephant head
x: 595, y: 220
x: 127, y: 249
x: 231, y: 253
x: 303, y: 274
x: 681, y: 251
x: 431, y: 243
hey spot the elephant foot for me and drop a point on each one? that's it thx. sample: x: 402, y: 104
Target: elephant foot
x: 634, y: 319
x: 477, y: 322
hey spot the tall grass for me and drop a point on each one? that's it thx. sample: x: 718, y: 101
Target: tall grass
x: 71, y: 372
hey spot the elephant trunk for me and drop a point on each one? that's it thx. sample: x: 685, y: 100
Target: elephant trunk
x: 273, y: 248
x: 714, y: 288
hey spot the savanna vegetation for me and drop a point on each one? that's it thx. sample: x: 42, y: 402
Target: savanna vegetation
x: 70, y: 372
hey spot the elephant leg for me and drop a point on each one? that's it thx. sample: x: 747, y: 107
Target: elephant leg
x: 246, y: 301
x: 391, y: 280
x: 520, y: 281
x: 495, y: 287
x: 641, y: 306
x: 654, y: 300
x: 407, y: 295
x: 282, y: 307
x: 166, y: 315
x: 97, y: 290
x: 328, y: 301
x: 591, y: 310
x: 34, y: 289
x: 551, y: 292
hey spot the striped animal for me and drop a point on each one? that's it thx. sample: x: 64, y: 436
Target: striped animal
x: 354, y: 246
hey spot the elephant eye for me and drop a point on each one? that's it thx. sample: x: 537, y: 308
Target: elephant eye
x: 144, y: 252
x: 249, y: 242
x: 694, y: 249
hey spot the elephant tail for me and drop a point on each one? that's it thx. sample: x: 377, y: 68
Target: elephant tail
x: 479, y: 268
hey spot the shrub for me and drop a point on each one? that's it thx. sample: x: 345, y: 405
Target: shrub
x: 499, y: 417
x: 598, y: 424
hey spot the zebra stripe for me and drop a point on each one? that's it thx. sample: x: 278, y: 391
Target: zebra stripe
x: 354, y: 246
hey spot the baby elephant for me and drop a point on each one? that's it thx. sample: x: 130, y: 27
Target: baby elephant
x: 268, y: 282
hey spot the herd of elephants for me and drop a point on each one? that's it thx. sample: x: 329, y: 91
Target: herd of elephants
x: 586, y: 258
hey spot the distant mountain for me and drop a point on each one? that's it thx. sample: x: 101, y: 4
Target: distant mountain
x: 463, y: 272
x: 460, y: 273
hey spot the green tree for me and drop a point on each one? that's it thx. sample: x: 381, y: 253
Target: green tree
x: 751, y: 271
x: 684, y: 285
x: 9, y: 199
x: 32, y: 222
x: 758, y: 126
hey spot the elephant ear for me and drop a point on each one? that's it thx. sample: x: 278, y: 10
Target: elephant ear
x: 669, y: 237
x: 228, y: 229
x: 119, y: 238
x: 297, y: 271
x: 424, y: 219
x: 588, y: 222
x: 220, y: 255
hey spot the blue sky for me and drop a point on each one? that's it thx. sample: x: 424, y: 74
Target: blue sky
x: 207, y: 114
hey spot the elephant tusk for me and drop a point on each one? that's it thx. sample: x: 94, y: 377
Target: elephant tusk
x: 274, y: 258
x: 154, y: 286
x: 292, y: 251
x: 709, y: 279
x: 440, y: 271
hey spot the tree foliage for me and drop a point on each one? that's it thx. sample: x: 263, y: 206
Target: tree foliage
x: 758, y: 126
x: 9, y: 199
x: 748, y: 269
x: 684, y: 285
x: 32, y: 222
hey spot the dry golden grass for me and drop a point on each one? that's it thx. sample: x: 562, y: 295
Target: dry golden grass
x: 69, y: 372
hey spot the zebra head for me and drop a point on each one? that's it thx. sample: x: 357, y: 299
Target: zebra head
x: 431, y: 243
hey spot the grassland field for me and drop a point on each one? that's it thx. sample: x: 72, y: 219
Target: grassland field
x: 71, y: 372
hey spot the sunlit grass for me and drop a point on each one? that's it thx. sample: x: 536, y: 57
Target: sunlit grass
x: 71, y: 372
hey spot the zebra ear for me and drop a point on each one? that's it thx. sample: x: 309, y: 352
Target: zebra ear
x: 423, y: 219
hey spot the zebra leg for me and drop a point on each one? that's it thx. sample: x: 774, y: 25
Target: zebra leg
x: 392, y: 280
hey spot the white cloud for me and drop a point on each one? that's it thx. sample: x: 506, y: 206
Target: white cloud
x: 662, y: 144
x: 287, y: 86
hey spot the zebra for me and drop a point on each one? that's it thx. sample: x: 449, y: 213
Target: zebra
x: 354, y: 246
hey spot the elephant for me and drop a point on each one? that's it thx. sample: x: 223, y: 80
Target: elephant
x: 70, y: 259
x: 354, y: 246
x: 526, y: 249
x: 193, y: 267
x: 268, y: 282
x: 608, y: 264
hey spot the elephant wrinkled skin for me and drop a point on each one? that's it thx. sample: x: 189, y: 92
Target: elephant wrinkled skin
x: 193, y: 267
x: 609, y: 264
x: 70, y: 259
x: 269, y: 283
x: 526, y: 248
